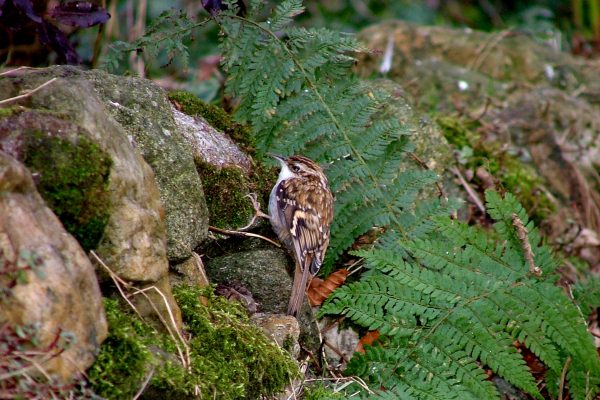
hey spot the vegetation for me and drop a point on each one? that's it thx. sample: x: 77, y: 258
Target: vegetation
x: 230, y: 358
x: 450, y: 301
x: 74, y: 183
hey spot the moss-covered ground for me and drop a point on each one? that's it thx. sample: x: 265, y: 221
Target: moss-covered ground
x: 230, y: 358
x: 512, y: 175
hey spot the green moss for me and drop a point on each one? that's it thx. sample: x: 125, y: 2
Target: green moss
x: 230, y: 358
x: 8, y: 111
x: 225, y: 191
x: 124, y: 358
x: 216, y: 117
x: 319, y: 392
x: 237, y: 354
x: 513, y: 175
x: 73, y: 180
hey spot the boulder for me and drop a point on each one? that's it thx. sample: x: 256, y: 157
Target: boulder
x: 145, y: 113
x: 267, y: 273
x: 47, y: 281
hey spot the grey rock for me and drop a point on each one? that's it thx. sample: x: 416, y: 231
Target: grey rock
x: 282, y: 329
x: 266, y: 272
x: 210, y: 145
x: 144, y: 111
x: 64, y: 296
x: 134, y: 242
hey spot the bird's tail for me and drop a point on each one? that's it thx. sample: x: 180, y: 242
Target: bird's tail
x: 299, y: 288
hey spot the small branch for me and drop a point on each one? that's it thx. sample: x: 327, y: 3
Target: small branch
x: 185, y: 360
x: 527, y: 252
x: 239, y: 233
x: 472, y: 194
x: 29, y: 93
x: 116, y: 279
x: 563, y: 376
x: 257, y: 212
x: 144, y: 384
x: 17, y: 70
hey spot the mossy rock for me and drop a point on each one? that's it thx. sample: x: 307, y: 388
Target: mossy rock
x: 217, y: 118
x: 225, y: 190
x: 72, y: 177
x: 230, y: 358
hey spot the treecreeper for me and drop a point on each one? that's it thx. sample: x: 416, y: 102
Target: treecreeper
x: 301, y: 210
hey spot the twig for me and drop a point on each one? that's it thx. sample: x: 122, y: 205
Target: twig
x: 200, y: 265
x: 563, y: 375
x: 359, y: 264
x: 487, y: 48
x: 116, y: 279
x: 472, y: 194
x: 144, y: 384
x: 528, y: 253
x: 16, y: 70
x: 335, y: 350
x: 29, y: 93
x: 238, y: 233
x: 184, y: 360
x: 257, y: 212
x: 488, y: 101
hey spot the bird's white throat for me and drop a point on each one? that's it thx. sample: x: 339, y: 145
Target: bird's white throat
x: 285, y: 172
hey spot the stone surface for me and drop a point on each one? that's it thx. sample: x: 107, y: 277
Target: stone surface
x: 65, y: 296
x: 133, y: 244
x: 340, y: 343
x: 145, y: 113
x: 157, y: 301
x: 282, y: 329
x: 209, y: 145
x: 190, y: 272
x: 266, y: 272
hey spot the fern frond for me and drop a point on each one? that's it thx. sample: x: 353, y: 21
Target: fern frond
x: 448, y: 299
x: 284, y: 14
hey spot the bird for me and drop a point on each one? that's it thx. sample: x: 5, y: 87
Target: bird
x: 301, y: 211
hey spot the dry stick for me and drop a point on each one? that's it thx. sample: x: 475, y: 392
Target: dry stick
x: 144, y: 384
x: 238, y: 233
x: 563, y: 375
x: 25, y: 355
x: 258, y: 212
x: 487, y: 48
x: 37, y: 366
x: 185, y: 360
x: 17, y: 70
x: 29, y: 93
x: 528, y: 253
x: 200, y: 265
x: 469, y: 189
x: 116, y: 279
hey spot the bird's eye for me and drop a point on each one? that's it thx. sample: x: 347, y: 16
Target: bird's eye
x: 295, y: 168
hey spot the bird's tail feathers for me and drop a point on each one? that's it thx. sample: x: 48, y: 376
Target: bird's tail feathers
x: 298, y: 289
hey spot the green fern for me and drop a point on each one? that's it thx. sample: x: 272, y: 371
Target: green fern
x: 449, y: 300
x: 450, y: 305
x: 296, y: 89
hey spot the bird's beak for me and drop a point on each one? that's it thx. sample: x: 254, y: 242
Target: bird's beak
x: 276, y: 156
